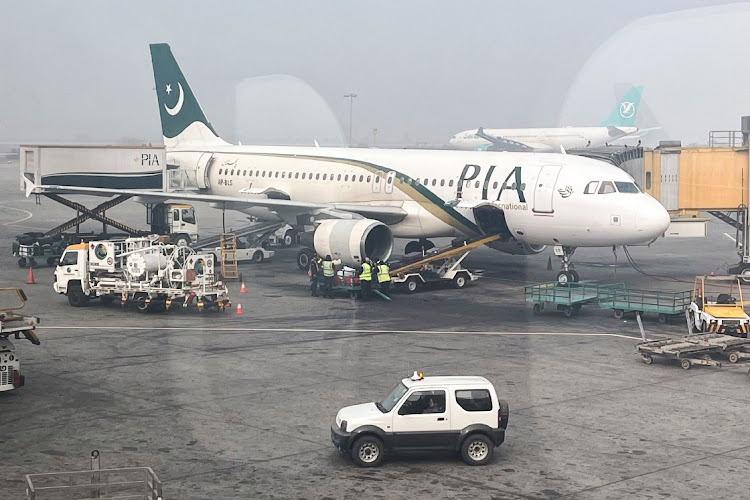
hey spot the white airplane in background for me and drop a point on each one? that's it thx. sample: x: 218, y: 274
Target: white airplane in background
x: 617, y: 126
x: 357, y: 200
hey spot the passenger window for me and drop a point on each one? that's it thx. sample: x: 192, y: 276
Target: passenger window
x: 450, y: 183
x: 417, y: 181
x: 369, y: 178
x: 648, y: 180
x: 276, y: 175
x: 474, y: 400
x: 361, y: 178
x: 324, y: 176
x: 232, y: 172
x: 346, y: 178
x: 296, y: 175
x: 423, y: 402
x: 263, y: 174
x: 591, y: 187
x: 69, y: 259
x: 476, y: 184
x: 434, y: 181
x: 188, y: 215
x: 426, y: 182
x: 390, y: 179
x: 442, y: 182
x: 607, y: 187
x: 494, y: 185
x: 317, y: 177
x: 339, y: 177
x: 283, y: 175
x: 303, y: 176
x: 244, y: 173
x: 257, y: 173
x: 220, y: 170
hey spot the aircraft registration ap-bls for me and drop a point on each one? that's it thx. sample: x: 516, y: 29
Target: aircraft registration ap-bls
x: 617, y: 126
x: 357, y: 200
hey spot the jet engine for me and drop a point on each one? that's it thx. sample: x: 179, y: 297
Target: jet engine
x: 351, y: 240
x: 515, y: 247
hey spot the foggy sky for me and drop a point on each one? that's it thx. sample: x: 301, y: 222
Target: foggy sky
x: 423, y: 70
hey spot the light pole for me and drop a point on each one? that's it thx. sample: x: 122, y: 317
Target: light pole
x: 351, y: 97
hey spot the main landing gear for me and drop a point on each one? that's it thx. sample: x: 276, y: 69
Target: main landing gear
x: 418, y: 246
x: 567, y: 275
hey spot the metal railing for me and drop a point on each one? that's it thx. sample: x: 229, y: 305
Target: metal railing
x: 725, y: 139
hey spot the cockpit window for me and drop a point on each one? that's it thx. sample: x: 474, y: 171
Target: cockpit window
x: 626, y: 187
x: 591, y: 187
x: 607, y: 187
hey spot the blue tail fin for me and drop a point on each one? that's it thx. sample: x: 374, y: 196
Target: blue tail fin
x: 182, y: 119
x: 624, y: 113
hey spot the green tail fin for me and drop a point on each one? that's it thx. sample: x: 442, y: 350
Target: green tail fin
x: 624, y: 113
x: 182, y: 119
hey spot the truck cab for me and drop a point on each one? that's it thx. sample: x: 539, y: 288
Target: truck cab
x: 456, y: 413
x: 176, y: 220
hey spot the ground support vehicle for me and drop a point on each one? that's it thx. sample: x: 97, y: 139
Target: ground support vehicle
x: 686, y: 352
x: 439, y: 265
x: 285, y: 236
x: 717, y: 306
x: 13, y: 325
x: 668, y: 305
x: 143, y: 271
x: 35, y: 246
x: 124, y: 483
x: 252, y: 254
x: 734, y: 348
x: 568, y: 297
x: 458, y: 414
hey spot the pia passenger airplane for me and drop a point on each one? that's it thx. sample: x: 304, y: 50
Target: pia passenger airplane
x: 354, y: 201
x: 617, y: 126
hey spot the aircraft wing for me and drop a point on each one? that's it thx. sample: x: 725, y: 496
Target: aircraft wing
x: 502, y: 144
x: 260, y: 205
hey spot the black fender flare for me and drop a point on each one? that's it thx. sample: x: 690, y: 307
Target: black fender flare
x: 474, y: 429
x: 370, y: 430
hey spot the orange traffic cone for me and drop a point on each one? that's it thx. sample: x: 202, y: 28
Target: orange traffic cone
x: 31, y: 281
x: 239, y: 308
x: 242, y: 288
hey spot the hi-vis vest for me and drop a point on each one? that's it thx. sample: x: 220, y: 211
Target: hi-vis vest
x: 366, y: 272
x: 383, y: 273
x: 328, y: 268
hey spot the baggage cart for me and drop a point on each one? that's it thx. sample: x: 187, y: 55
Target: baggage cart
x: 568, y: 297
x: 667, y: 305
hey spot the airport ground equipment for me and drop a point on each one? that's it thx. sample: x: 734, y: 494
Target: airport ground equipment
x: 734, y: 348
x: 440, y: 265
x: 14, y: 325
x: 686, y: 352
x: 127, y: 483
x: 35, y: 246
x: 568, y: 297
x: 144, y: 271
x: 668, y: 305
x: 285, y: 236
x: 717, y: 306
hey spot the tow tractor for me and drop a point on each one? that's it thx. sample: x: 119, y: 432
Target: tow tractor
x: 13, y: 325
x: 144, y: 270
x: 717, y: 306
x: 440, y: 265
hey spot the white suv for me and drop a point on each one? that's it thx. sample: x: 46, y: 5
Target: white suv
x: 462, y: 414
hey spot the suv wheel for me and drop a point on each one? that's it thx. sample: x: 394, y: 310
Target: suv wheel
x: 477, y: 449
x: 367, y: 451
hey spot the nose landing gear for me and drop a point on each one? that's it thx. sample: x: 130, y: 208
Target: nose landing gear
x: 567, y: 275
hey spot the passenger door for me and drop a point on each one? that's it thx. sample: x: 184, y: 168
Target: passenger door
x: 544, y: 189
x: 389, y: 180
x: 422, y: 421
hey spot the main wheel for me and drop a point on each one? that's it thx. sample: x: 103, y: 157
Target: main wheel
x: 258, y: 257
x: 459, y: 280
x: 567, y: 311
x: 477, y: 449
x: 76, y: 297
x: 412, y: 285
x: 412, y: 247
x: 368, y: 451
x: 303, y: 258
x: 575, y: 276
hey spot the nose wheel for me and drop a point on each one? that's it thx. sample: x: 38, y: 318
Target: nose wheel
x: 567, y: 275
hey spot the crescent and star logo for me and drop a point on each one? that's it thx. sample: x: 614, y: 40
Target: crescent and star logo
x: 627, y: 109
x: 181, y: 99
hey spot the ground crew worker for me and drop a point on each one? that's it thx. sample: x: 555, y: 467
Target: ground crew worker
x: 314, y: 273
x: 329, y: 273
x: 365, y: 279
x: 384, y: 278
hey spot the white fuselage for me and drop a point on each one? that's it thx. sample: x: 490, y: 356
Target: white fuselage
x: 548, y: 208
x: 543, y: 139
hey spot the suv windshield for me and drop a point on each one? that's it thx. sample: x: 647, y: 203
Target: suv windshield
x: 392, y: 398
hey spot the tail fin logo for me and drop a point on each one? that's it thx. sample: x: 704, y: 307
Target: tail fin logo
x: 180, y: 100
x: 627, y: 109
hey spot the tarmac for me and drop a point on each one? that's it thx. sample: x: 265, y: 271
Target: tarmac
x: 222, y: 405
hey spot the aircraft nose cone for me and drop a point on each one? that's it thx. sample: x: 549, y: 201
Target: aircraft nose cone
x: 652, y: 219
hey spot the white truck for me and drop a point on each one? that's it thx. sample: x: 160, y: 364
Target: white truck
x: 144, y: 271
x: 13, y: 325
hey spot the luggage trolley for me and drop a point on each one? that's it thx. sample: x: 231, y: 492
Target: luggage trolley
x: 568, y: 297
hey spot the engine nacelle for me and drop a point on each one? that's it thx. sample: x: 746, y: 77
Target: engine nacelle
x: 515, y: 247
x: 351, y: 240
